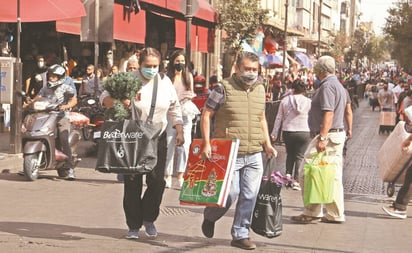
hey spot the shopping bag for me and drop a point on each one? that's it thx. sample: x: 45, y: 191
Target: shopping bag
x: 207, y: 183
x: 319, y: 180
x: 267, y: 214
x: 127, y: 147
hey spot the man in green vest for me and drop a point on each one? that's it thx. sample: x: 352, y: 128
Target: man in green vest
x: 238, y: 106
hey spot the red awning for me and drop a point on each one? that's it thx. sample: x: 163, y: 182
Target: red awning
x: 40, y: 10
x: 198, y: 38
x: 133, y: 31
x: 205, y: 11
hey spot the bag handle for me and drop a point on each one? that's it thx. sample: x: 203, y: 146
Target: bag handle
x: 154, y: 96
x: 149, y: 120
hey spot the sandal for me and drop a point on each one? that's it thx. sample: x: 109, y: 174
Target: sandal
x: 304, y: 219
x: 325, y: 220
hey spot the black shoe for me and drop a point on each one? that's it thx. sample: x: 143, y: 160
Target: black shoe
x: 208, y: 228
x: 244, y: 243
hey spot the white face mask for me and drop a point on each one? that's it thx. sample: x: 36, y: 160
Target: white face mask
x: 249, y: 78
x: 40, y: 64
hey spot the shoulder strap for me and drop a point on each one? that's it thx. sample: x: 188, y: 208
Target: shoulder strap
x: 154, y: 96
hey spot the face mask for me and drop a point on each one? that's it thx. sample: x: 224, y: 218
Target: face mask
x: 40, y: 64
x: 249, y: 78
x: 149, y: 73
x: 179, y: 66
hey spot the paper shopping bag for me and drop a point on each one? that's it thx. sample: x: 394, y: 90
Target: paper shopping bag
x: 207, y: 183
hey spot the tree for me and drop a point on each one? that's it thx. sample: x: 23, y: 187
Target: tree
x: 240, y: 19
x: 399, y: 26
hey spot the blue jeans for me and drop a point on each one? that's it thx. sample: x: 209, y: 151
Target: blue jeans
x: 245, y: 186
x: 182, y: 153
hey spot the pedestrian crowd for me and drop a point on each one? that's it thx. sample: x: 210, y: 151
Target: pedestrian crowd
x: 314, y: 116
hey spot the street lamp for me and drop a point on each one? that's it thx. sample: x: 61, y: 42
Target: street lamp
x: 284, y: 39
x: 319, y: 25
x: 188, y: 17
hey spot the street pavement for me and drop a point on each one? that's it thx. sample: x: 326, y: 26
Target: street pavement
x: 86, y: 215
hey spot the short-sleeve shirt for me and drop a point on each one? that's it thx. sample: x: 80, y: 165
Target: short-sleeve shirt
x: 386, y: 98
x: 331, y: 96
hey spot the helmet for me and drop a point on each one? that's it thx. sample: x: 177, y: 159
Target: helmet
x: 60, y: 72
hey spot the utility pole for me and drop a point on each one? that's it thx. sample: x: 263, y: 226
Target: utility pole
x: 188, y: 17
x: 285, y: 36
x: 96, y: 44
x: 16, y: 108
x: 319, y: 25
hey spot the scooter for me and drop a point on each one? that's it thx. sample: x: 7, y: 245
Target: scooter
x: 91, y: 108
x: 39, y: 135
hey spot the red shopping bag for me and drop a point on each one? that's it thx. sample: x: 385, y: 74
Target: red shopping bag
x: 207, y: 183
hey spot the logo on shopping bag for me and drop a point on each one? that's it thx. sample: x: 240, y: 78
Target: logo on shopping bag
x: 196, y: 149
x: 117, y: 134
x: 120, y: 152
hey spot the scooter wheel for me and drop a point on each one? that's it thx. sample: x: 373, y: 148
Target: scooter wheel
x: 390, y: 190
x: 63, y: 173
x: 30, y: 166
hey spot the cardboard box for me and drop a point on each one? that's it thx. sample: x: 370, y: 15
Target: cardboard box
x: 387, y: 118
x: 207, y: 183
x: 391, y: 157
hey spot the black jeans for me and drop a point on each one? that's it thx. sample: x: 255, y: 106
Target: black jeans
x: 296, y: 144
x: 405, y: 192
x: 63, y: 126
x: 138, y: 208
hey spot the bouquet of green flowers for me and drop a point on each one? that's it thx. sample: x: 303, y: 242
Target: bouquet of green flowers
x: 123, y: 85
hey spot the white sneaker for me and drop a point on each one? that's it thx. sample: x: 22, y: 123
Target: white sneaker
x: 168, y: 180
x: 181, y: 181
x: 296, y: 186
x: 71, y: 175
x: 394, y: 212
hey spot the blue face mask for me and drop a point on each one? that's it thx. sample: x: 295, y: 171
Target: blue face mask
x: 149, y: 73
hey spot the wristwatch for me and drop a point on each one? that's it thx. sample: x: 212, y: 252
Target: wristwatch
x: 321, y: 138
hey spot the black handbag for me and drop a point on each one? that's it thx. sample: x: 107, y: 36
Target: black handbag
x: 129, y: 146
x: 267, y: 214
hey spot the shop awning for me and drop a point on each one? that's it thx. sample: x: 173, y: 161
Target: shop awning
x: 204, y: 11
x: 40, y: 10
x: 199, y: 37
x: 133, y: 31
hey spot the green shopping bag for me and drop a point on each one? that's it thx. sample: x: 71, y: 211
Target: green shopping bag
x: 319, y: 181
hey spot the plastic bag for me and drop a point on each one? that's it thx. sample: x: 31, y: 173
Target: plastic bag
x: 319, y: 181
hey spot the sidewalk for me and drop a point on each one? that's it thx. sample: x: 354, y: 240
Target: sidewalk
x: 52, y: 215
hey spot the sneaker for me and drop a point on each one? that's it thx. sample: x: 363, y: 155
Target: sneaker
x: 394, y: 212
x: 208, y: 228
x: 296, y: 186
x: 133, y: 234
x: 120, y: 177
x: 244, y: 243
x: 71, y: 175
x: 150, y: 229
x: 181, y: 181
x: 168, y: 180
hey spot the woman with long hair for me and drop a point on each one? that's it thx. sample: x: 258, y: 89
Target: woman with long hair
x: 182, y: 80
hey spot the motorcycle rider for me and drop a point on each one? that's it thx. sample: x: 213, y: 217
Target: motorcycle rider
x: 60, y: 91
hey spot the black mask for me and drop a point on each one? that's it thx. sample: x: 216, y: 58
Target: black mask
x: 179, y: 66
